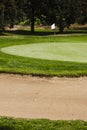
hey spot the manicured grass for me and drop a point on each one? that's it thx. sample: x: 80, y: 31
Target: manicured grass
x: 40, y: 124
x: 42, y: 67
x: 76, y: 52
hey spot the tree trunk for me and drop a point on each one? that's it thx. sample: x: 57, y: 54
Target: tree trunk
x: 61, y: 28
x: 2, y: 18
x: 61, y: 25
x: 32, y: 21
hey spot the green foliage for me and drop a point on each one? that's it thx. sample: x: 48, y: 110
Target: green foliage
x: 1, y: 16
x: 62, y: 12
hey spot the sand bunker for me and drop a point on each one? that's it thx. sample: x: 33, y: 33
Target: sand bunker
x: 34, y: 97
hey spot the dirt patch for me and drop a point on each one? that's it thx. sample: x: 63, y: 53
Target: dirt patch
x: 34, y: 97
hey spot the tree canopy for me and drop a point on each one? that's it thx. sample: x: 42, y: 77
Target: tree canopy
x: 62, y: 12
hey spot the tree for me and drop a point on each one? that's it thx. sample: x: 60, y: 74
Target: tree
x: 82, y: 12
x: 7, y: 13
x: 20, y: 10
x: 1, y: 16
x: 62, y: 12
x: 10, y: 12
x: 33, y: 11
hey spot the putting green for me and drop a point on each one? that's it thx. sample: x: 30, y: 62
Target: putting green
x: 76, y: 52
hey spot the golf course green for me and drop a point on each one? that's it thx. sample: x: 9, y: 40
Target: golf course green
x: 44, y: 55
x: 62, y: 51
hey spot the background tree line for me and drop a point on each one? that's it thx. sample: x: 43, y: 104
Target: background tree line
x: 62, y: 12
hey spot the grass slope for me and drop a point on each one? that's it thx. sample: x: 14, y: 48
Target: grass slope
x: 25, y: 65
x: 40, y: 124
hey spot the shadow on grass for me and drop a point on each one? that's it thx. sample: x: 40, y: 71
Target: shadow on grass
x: 43, y: 33
x: 1, y: 33
x: 25, y: 32
x: 80, y: 28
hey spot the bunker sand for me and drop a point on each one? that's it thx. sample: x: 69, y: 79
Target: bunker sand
x: 53, y: 98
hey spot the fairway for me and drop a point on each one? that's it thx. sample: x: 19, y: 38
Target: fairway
x: 62, y: 51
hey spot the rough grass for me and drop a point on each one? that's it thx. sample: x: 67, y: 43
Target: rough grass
x: 24, y: 65
x: 40, y: 124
